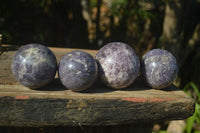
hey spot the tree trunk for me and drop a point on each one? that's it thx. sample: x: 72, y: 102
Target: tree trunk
x: 99, y: 2
x: 173, y: 26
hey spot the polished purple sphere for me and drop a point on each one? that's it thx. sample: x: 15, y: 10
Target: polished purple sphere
x: 118, y: 65
x: 34, y: 65
x: 77, y: 70
x: 159, y: 68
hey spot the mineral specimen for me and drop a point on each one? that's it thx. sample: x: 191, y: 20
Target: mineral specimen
x: 77, y: 70
x: 34, y: 65
x: 118, y: 65
x: 159, y: 68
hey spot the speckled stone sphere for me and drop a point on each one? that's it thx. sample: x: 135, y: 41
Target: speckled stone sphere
x: 118, y: 65
x: 77, y: 70
x: 159, y: 68
x: 34, y: 65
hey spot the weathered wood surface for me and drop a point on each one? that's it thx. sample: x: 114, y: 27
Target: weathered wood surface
x: 99, y: 105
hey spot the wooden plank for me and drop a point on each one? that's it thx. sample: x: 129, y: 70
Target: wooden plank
x: 99, y: 105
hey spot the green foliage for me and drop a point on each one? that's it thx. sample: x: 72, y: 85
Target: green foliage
x: 161, y: 131
x: 124, y: 8
x: 93, y: 3
x: 194, y: 87
x: 118, y: 8
x: 7, y: 36
x: 195, y: 119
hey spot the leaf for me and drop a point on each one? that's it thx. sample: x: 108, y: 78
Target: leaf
x: 189, y: 124
x: 196, y: 116
x: 197, y: 113
x: 195, y: 89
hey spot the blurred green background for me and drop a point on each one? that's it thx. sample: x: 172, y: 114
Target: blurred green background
x: 169, y: 24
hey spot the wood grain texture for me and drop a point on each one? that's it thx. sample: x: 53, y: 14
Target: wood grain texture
x: 54, y: 105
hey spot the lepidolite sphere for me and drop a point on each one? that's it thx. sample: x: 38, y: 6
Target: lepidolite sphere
x: 159, y: 68
x: 118, y: 65
x: 77, y: 70
x: 34, y: 65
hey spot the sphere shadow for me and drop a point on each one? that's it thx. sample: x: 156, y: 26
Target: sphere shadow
x: 55, y: 85
x: 141, y: 85
x: 99, y: 87
x: 137, y: 85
